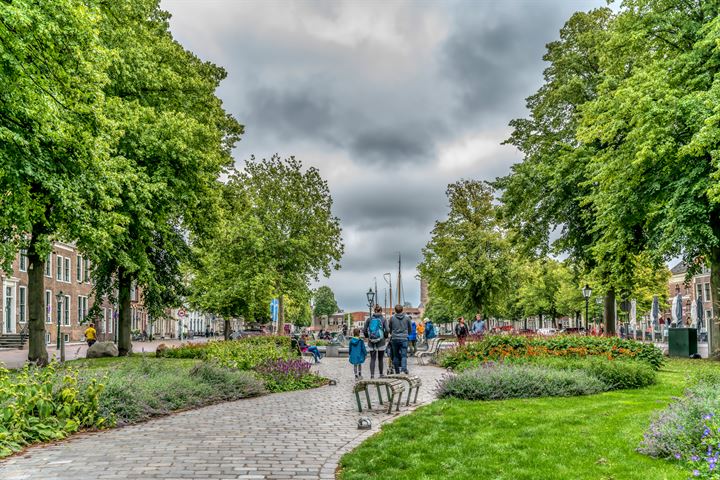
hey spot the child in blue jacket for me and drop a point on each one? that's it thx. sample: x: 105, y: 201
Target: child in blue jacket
x: 357, y: 352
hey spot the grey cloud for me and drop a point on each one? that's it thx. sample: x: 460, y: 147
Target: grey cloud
x: 393, y: 145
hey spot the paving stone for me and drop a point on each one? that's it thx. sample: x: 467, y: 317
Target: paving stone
x: 293, y: 435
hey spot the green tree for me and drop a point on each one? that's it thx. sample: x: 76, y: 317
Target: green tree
x: 467, y: 260
x: 54, y: 138
x: 175, y: 141
x: 301, y: 237
x: 654, y: 130
x: 540, y: 282
x: 547, y: 192
x: 325, y: 303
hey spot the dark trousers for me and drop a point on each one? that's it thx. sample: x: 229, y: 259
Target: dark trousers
x: 400, y: 348
x: 90, y: 343
x: 376, y: 355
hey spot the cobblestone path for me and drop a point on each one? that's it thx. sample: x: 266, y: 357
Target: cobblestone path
x: 294, y: 435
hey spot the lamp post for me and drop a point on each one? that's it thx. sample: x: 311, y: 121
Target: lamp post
x: 59, y: 316
x: 371, y: 299
x: 586, y: 291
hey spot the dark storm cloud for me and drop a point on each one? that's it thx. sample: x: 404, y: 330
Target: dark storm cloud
x: 390, y: 100
x: 290, y: 114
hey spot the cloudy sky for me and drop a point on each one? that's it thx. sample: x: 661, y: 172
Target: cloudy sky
x: 390, y: 100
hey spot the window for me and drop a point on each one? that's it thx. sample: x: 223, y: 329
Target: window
x: 66, y: 338
x: 708, y: 315
x: 86, y: 270
x: 111, y: 320
x: 698, y: 290
x: 103, y: 325
x: 23, y: 261
x: 82, y: 308
x: 66, y: 307
x: 47, y: 338
x: 66, y: 273
x: 48, y: 265
x: 708, y: 298
x: 48, y: 306
x: 58, y: 268
x: 133, y: 292
x: 78, y: 268
x: 22, y: 304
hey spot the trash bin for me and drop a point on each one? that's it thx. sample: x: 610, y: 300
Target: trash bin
x: 682, y: 342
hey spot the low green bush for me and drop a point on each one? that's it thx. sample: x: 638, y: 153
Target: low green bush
x: 42, y: 404
x: 138, y: 390
x: 498, y: 382
x: 243, y: 354
x: 288, y: 375
x: 499, y: 347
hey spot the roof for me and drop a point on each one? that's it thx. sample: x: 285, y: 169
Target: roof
x: 679, y: 268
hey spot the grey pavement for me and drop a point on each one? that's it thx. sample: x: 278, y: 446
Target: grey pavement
x: 14, y: 358
x: 293, y: 435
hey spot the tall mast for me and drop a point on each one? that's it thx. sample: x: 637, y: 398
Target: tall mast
x: 399, y: 284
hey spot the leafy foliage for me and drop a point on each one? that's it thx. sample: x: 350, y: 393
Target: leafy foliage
x: 43, y: 404
x: 325, y: 303
x: 496, y: 347
x: 288, y: 375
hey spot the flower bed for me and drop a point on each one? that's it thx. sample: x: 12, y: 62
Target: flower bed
x: 287, y: 375
x: 498, y: 347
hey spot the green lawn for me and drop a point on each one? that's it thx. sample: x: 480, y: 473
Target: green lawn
x: 592, y: 437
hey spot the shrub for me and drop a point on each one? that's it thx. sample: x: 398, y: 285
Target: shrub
x: 497, y: 381
x: 677, y: 431
x: 243, y: 354
x: 41, y: 404
x: 137, y: 391
x: 498, y: 347
x: 286, y: 375
x: 616, y: 374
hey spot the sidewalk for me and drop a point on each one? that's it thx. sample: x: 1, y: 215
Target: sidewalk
x: 293, y: 435
x: 17, y: 358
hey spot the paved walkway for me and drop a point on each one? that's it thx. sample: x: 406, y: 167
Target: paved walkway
x: 294, y: 435
x: 13, y: 358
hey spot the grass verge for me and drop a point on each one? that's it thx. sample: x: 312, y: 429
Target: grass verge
x: 589, y: 437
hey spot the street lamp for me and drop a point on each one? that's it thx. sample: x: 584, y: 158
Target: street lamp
x: 586, y: 291
x: 371, y: 299
x: 59, y: 316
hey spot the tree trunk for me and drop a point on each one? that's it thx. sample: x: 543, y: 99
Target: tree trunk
x: 713, y: 323
x: 610, y: 312
x: 540, y: 321
x: 281, y: 315
x: 226, y: 328
x: 123, y: 330
x: 37, y: 310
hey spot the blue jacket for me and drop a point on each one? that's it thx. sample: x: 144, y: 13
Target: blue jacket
x: 413, y: 332
x: 430, y: 331
x: 357, y: 351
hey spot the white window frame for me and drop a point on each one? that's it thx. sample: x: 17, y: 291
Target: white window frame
x: 12, y: 306
x: 698, y: 290
x: 78, y: 268
x: 58, y: 268
x: 86, y: 270
x: 82, y: 308
x: 23, y: 261
x: 66, y: 321
x: 66, y: 338
x: 22, y: 304
x: 48, y: 265
x: 67, y: 267
x: 112, y: 320
x: 48, y: 306
x: 708, y: 293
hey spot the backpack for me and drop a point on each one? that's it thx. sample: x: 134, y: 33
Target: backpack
x: 375, y: 330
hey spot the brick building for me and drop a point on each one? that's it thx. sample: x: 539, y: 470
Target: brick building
x: 697, y: 287
x: 68, y: 299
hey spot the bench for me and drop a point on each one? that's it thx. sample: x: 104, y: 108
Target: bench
x: 393, y: 387
x: 413, y: 381
x: 433, y: 346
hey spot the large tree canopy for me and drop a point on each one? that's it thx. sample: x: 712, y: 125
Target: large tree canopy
x: 325, y: 303
x: 468, y: 259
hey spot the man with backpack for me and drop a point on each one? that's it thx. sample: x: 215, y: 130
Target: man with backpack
x: 376, y: 331
x: 400, y: 329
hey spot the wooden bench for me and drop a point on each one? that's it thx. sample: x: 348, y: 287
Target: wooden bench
x: 413, y: 381
x: 393, y: 387
x: 433, y: 346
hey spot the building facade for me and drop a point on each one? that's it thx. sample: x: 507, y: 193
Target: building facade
x: 697, y: 288
x: 67, y: 299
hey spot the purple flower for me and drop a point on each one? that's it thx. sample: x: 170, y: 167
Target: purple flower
x: 678, y: 456
x: 694, y: 458
x: 696, y: 473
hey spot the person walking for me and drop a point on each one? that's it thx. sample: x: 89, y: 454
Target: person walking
x: 376, y: 332
x: 478, y: 326
x: 90, y: 335
x: 412, y: 337
x: 461, y: 331
x: 400, y: 329
x: 357, y: 353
